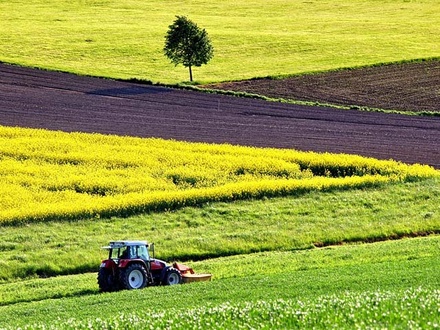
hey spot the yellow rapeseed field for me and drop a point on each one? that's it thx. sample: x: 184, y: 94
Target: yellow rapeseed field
x: 55, y: 175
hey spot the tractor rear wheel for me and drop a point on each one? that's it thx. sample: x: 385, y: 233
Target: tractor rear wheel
x: 133, y: 277
x: 106, y: 280
x: 172, y: 276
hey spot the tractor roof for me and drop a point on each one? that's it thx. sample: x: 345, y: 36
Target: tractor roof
x: 120, y: 244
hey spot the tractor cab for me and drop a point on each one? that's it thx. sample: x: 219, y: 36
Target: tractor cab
x: 121, y: 250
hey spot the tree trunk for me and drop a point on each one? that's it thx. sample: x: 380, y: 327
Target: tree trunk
x: 190, y: 73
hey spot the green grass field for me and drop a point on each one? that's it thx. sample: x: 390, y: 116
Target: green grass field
x: 124, y: 39
x: 307, y: 280
x: 268, y: 271
x: 309, y: 276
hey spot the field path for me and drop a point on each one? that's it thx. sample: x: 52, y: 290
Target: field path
x: 61, y: 101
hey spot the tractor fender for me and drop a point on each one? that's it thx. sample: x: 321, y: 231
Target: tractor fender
x: 124, y: 263
x: 109, y: 264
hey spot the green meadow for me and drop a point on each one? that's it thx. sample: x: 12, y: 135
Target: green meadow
x: 391, y: 284
x: 124, y: 39
x: 365, y: 257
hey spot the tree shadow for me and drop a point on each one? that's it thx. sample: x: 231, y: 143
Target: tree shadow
x: 130, y: 90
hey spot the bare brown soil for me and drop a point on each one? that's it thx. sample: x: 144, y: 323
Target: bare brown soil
x: 60, y: 101
x: 405, y: 87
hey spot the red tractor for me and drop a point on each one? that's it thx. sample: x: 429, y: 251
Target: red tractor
x: 129, y: 266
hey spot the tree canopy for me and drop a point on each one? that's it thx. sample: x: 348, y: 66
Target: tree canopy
x: 187, y: 44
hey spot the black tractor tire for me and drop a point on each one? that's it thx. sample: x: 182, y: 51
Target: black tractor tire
x: 172, y: 276
x: 106, y: 280
x: 133, y: 277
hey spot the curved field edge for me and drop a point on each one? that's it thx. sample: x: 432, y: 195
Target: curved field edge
x: 239, y: 93
x: 302, y: 276
x: 312, y: 219
x: 54, y: 175
x: 408, y: 88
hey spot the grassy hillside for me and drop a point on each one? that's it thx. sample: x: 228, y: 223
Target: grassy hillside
x: 124, y: 39
x: 390, y: 284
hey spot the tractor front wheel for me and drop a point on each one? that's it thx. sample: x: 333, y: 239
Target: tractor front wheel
x: 133, y: 277
x: 106, y: 280
x: 172, y: 276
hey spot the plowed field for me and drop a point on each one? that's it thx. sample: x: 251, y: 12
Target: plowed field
x: 60, y: 101
x: 405, y: 87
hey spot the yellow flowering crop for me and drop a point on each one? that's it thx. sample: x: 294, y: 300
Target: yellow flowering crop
x: 54, y: 175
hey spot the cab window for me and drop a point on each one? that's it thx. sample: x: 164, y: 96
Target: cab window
x: 143, y: 252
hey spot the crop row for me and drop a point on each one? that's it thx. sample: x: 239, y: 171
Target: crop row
x: 414, y: 308
x: 53, y: 175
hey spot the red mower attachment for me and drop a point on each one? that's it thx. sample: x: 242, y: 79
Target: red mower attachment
x: 188, y: 274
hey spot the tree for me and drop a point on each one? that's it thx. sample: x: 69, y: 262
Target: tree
x: 188, y: 44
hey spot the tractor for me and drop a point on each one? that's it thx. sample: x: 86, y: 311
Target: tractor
x: 130, y: 266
